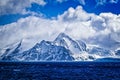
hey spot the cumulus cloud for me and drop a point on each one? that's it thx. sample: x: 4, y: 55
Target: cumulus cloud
x: 102, y: 30
x: 75, y: 14
x: 13, y: 6
x: 31, y: 30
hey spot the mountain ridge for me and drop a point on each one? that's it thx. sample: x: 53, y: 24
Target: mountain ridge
x: 63, y: 48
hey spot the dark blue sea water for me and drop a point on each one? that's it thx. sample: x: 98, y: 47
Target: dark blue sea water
x: 59, y: 70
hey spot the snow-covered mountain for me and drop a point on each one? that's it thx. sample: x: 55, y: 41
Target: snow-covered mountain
x: 100, y: 51
x: 42, y: 51
x: 74, y: 46
x: 63, y: 48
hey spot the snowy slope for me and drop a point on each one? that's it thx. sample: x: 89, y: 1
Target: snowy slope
x: 10, y: 50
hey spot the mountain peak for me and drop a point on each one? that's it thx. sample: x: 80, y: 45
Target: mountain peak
x: 43, y: 42
x: 69, y: 43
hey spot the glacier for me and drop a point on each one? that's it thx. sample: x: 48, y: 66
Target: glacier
x: 63, y: 48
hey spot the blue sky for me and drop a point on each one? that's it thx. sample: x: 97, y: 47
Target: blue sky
x: 53, y: 8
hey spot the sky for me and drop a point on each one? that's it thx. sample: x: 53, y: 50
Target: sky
x: 12, y: 10
x: 93, y: 21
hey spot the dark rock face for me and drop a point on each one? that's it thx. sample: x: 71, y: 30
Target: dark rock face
x: 117, y: 52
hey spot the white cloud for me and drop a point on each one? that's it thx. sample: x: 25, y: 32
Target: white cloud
x: 98, y: 2
x: 31, y: 29
x: 40, y: 2
x: 103, y: 2
x: 82, y: 2
x: 13, y: 6
x: 102, y: 30
x: 114, y: 1
x: 60, y: 1
x: 75, y: 14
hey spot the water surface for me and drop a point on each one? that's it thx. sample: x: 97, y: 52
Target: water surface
x: 59, y: 70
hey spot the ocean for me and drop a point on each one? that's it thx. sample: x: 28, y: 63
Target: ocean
x: 60, y: 70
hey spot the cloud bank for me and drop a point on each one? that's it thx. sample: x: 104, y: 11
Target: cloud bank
x: 102, y: 30
x: 14, y: 7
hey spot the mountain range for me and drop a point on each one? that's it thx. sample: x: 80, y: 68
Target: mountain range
x: 63, y: 48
